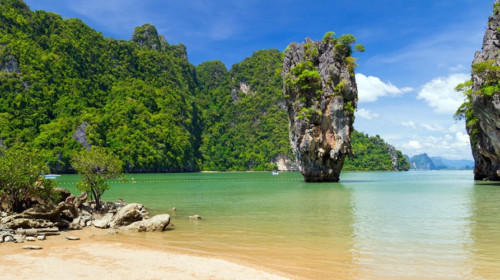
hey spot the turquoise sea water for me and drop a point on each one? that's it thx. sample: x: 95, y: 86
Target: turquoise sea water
x: 371, y: 225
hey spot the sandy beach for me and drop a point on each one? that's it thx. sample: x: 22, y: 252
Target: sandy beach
x: 96, y: 257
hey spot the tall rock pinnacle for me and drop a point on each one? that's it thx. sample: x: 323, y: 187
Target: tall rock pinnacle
x: 321, y: 96
x: 483, y: 117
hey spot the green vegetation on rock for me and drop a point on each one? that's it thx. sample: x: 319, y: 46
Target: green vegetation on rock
x: 465, y: 111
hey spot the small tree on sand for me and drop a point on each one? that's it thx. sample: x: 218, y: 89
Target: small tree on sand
x: 22, y: 180
x: 95, y: 166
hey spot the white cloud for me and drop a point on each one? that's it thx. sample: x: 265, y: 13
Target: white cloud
x: 433, y: 127
x: 370, y: 88
x: 440, y: 93
x: 410, y: 124
x: 457, y: 127
x: 413, y: 145
x: 446, y: 128
x: 448, y: 146
x: 457, y: 68
x: 462, y: 139
x: 366, y: 114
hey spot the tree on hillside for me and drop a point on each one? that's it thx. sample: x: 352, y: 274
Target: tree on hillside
x: 95, y: 167
x: 21, y: 179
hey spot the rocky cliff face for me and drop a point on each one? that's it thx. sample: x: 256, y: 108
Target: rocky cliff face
x: 81, y: 136
x: 321, y: 96
x: 393, y: 153
x: 9, y: 64
x: 484, y: 124
x: 147, y: 36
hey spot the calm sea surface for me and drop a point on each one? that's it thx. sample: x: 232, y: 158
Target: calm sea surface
x: 372, y: 225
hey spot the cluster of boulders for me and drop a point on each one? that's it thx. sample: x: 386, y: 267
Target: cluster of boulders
x: 74, y: 213
x: 131, y: 216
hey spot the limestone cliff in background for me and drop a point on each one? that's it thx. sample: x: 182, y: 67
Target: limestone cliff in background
x: 483, y: 125
x: 321, y: 96
x: 147, y: 36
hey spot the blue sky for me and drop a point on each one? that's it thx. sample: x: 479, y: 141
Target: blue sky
x: 416, y: 51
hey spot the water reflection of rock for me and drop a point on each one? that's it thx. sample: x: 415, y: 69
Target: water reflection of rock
x: 326, y: 248
x: 485, y: 221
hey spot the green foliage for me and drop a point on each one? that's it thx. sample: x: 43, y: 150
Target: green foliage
x: 245, y: 131
x: 344, y: 45
x: 306, y: 78
x: 95, y: 166
x: 403, y: 164
x: 22, y: 180
x: 328, y: 36
x: 351, y: 64
x: 138, y: 97
x: 465, y: 111
x: 310, y: 50
x: 496, y: 8
x: 372, y: 154
x: 308, y: 113
x: 349, y: 107
x: 491, y: 72
x: 359, y: 48
x: 309, y: 79
x: 339, y: 88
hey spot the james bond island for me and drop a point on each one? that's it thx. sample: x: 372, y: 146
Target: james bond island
x: 321, y: 96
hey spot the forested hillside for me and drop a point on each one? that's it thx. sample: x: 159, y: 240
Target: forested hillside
x: 372, y: 153
x: 250, y: 123
x: 141, y: 99
x: 137, y: 97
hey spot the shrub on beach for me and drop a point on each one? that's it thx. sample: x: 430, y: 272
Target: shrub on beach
x: 95, y: 166
x: 22, y: 181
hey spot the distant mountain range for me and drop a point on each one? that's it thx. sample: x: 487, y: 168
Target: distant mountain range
x: 424, y: 162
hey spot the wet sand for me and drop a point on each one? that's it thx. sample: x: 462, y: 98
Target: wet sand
x: 98, y: 256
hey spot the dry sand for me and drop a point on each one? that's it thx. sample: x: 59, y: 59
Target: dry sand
x: 101, y: 258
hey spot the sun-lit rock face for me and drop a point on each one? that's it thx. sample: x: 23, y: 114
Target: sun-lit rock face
x: 321, y: 96
x: 484, y: 126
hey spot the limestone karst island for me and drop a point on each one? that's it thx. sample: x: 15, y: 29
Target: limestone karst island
x: 264, y: 146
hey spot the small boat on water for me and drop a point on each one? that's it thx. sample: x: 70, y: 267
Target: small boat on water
x: 51, y: 176
x: 275, y: 172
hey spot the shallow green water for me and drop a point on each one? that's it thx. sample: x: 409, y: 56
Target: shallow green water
x: 372, y: 225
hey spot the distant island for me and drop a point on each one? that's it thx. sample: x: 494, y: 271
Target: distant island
x: 424, y: 162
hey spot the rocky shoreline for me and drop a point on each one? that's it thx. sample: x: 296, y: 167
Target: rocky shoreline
x: 74, y: 213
